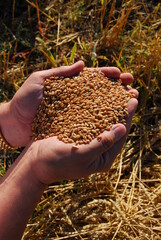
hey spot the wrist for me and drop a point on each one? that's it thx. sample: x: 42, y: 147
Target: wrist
x: 37, y: 169
x: 30, y: 156
x: 25, y: 171
x: 21, y: 192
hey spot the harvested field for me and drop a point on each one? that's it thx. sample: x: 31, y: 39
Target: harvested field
x: 124, y: 203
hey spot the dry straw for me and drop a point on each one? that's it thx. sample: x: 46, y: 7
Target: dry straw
x: 78, y: 109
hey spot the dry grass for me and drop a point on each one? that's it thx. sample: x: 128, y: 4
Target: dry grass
x: 126, y: 202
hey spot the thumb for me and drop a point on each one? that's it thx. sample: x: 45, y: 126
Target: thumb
x: 107, y: 139
x: 101, y: 147
x: 66, y: 71
x: 104, y: 141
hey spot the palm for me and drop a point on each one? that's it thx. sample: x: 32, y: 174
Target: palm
x: 58, y: 161
x: 27, y: 99
x: 25, y: 103
x: 24, y: 106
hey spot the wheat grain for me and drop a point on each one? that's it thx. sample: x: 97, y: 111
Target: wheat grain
x: 80, y: 108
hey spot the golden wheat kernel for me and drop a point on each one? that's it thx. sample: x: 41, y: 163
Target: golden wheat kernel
x: 90, y: 138
x: 51, y: 135
x: 88, y: 141
x: 74, y: 108
x: 67, y: 80
x: 99, y: 138
x: 68, y: 84
x: 48, y: 87
x: 99, y: 116
x: 65, y: 140
x: 75, y: 147
x: 70, y: 140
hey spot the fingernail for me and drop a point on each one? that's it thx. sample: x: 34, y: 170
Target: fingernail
x: 119, y: 131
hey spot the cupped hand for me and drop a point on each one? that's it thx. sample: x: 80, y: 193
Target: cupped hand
x: 24, y: 105
x: 25, y: 102
x: 54, y: 160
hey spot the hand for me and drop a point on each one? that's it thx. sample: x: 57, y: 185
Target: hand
x: 22, y: 108
x: 49, y: 160
x: 54, y: 160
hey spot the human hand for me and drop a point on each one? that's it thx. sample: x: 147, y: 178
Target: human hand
x: 54, y: 160
x: 22, y: 108
x: 49, y: 160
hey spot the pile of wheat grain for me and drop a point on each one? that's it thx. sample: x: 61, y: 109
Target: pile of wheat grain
x: 78, y: 109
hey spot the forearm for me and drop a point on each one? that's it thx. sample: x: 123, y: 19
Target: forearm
x: 19, y: 193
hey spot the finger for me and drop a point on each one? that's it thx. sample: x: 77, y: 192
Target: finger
x: 126, y: 78
x: 66, y: 71
x: 134, y: 92
x: 96, y: 161
x: 105, y: 141
x: 111, y: 72
x: 131, y: 106
x: 114, y: 72
x: 115, y: 150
